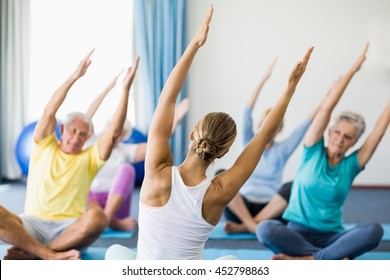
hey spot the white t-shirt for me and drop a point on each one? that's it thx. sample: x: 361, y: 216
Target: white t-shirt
x: 121, y: 154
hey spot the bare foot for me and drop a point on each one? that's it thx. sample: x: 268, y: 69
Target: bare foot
x: 232, y: 227
x: 287, y: 257
x: 67, y: 255
x: 15, y: 253
x: 126, y: 224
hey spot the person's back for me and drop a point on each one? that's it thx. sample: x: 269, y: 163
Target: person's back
x: 183, y: 231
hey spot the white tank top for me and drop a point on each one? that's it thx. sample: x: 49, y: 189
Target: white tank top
x: 176, y: 230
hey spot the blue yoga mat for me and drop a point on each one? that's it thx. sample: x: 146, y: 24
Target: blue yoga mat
x: 241, y: 254
x: 93, y: 253
x: 97, y: 253
x: 109, y: 233
x: 251, y: 254
x: 374, y: 256
x: 219, y: 233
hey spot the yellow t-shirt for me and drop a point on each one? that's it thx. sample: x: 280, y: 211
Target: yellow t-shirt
x: 58, y: 183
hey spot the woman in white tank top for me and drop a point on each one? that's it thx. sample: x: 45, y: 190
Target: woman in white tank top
x: 179, y: 206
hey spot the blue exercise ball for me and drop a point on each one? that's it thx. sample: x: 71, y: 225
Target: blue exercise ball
x: 24, y: 143
x: 135, y: 138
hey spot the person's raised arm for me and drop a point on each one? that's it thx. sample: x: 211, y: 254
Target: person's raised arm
x: 162, y: 122
x: 107, y: 141
x: 256, y: 92
x: 232, y: 180
x: 99, y: 99
x: 372, y: 141
x: 322, y: 117
x: 47, y: 122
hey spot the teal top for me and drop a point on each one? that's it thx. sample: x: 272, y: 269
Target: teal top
x: 319, y: 190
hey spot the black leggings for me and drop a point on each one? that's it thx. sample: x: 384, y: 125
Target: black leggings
x: 254, y: 208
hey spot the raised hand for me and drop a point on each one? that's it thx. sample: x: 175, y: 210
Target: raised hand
x: 256, y: 92
x: 200, y: 36
x: 299, y: 69
x: 113, y: 82
x: 83, y: 65
x: 359, y: 62
x: 128, y: 80
x: 269, y: 70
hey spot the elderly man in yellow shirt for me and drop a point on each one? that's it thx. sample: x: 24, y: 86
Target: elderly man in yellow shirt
x: 55, y: 222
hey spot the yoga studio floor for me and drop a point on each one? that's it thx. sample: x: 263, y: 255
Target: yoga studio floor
x: 362, y: 205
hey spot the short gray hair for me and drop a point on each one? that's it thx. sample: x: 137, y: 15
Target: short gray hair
x: 354, y: 118
x: 82, y: 116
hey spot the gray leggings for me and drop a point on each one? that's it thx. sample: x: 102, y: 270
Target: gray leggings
x: 297, y: 240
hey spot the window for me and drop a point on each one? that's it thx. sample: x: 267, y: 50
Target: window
x: 62, y: 33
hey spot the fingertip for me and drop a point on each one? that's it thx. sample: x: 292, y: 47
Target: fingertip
x: 210, y: 13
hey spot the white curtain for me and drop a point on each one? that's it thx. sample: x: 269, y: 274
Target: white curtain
x: 14, y: 80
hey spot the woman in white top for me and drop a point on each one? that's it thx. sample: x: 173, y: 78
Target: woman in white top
x: 179, y: 205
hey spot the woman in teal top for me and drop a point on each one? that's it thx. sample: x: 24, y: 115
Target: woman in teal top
x: 324, y: 178
x: 264, y: 196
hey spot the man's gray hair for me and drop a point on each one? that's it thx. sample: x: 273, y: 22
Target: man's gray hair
x: 354, y: 118
x: 81, y: 116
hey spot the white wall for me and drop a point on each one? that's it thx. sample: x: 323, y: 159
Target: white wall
x: 246, y: 35
x: 58, y: 47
